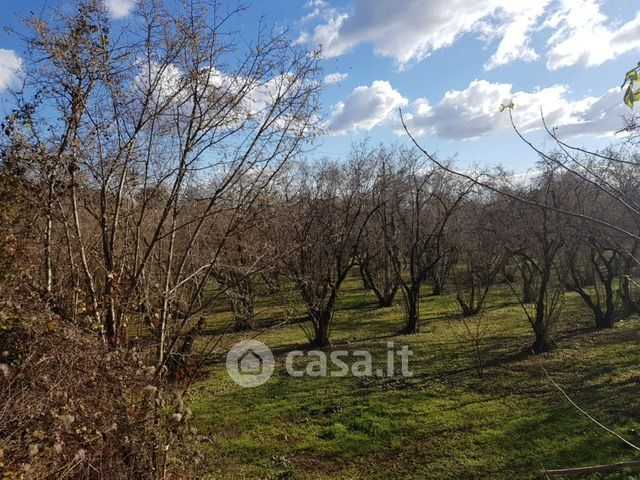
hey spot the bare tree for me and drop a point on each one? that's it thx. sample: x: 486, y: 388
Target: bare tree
x: 480, y: 252
x: 154, y: 129
x: 593, y: 260
x: 572, y: 164
x: 592, y: 270
x: 536, y: 238
x: 598, y: 169
x: 375, y: 266
x: 245, y: 258
x: 416, y: 203
x: 326, y: 213
x: 441, y: 271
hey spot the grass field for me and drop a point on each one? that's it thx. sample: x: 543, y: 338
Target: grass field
x: 445, y: 422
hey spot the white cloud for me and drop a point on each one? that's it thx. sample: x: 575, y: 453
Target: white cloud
x: 410, y: 30
x: 603, y: 117
x: 474, y: 112
x: 119, y: 8
x: 310, y: 16
x: 578, y: 33
x: 335, y: 78
x: 582, y: 37
x: 315, y: 4
x: 365, y: 108
x: 517, y: 24
x: 10, y: 65
x: 317, y: 8
x: 242, y: 99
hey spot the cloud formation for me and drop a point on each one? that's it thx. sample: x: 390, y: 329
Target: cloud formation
x: 577, y: 32
x: 411, y: 30
x: 335, y: 78
x: 516, y: 23
x: 365, y: 108
x: 474, y: 112
x: 10, y: 65
x: 119, y: 8
x: 582, y: 37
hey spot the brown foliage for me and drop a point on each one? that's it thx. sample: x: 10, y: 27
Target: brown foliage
x: 72, y: 408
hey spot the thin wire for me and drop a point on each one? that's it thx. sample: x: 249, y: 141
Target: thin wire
x: 584, y: 412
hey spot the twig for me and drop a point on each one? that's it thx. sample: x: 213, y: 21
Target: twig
x: 598, y: 468
x: 584, y: 412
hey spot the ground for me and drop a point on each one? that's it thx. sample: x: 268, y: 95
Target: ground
x: 445, y: 422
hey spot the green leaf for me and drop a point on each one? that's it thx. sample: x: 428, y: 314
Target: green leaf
x: 631, y: 76
x: 509, y: 105
x: 629, y: 97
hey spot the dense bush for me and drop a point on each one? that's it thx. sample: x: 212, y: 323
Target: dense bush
x: 72, y: 408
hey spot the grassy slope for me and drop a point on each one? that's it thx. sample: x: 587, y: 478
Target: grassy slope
x: 444, y: 423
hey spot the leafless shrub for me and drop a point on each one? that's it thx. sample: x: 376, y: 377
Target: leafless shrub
x: 72, y: 408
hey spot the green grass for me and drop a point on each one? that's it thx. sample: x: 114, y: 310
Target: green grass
x: 442, y: 423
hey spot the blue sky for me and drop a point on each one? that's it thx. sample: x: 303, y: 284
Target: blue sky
x: 448, y: 64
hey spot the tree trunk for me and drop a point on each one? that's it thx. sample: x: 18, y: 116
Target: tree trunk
x: 385, y: 293
x: 412, y: 307
x: 321, y: 326
x: 440, y: 274
x: 542, y: 343
x: 527, y: 288
x: 365, y: 275
x: 605, y: 319
x: 469, y: 311
x: 179, y: 362
x: 243, y: 312
x: 437, y: 286
x: 386, y: 301
x: 629, y: 305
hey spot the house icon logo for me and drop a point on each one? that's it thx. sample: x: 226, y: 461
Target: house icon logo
x: 250, y: 363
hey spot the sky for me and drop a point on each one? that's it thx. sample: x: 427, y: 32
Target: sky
x: 448, y: 64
